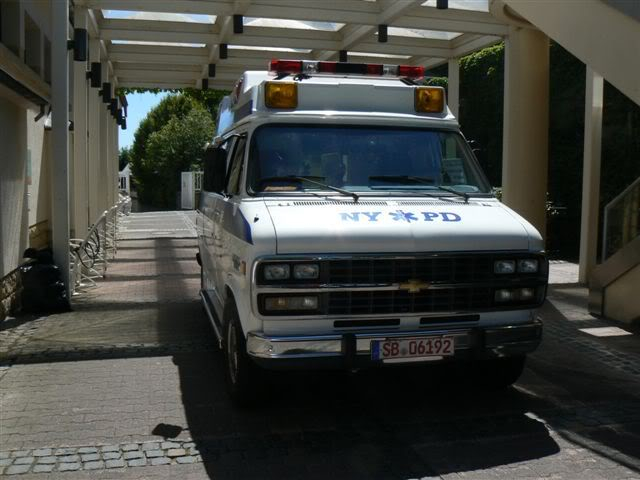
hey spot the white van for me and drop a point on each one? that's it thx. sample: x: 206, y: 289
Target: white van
x: 345, y: 223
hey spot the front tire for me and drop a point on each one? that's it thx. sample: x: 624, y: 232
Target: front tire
x: 242, y: 375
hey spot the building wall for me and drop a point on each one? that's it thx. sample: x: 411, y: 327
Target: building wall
x: 621, y: 299
x: 38, y: 181
x: 14, y: 215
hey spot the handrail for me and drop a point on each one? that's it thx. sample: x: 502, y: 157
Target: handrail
x: 607, y: 209
x: 90, y: 255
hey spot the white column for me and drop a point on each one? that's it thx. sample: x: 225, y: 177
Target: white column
x: 60, y: 135
x: 104, y: 148
x: 93, y: 172
x: 453, y: 89
x: 526, y: 124
x: 591, y: 174
x: 80, y: 221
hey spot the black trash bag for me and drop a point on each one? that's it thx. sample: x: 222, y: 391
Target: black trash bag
x: 43, y: 290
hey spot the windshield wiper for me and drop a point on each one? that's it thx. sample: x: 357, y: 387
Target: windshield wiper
x: 403, y: 178
x: 420, y: 180
x: 310, y: 179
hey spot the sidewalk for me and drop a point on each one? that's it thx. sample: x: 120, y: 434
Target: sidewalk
x: 129, y: 385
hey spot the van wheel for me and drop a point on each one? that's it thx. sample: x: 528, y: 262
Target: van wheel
x: 242, y: 375
x: 499, y: 373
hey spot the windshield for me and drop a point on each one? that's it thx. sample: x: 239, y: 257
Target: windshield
x: 362, y: 159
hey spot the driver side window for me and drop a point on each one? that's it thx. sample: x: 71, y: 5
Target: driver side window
x: 235, y: 167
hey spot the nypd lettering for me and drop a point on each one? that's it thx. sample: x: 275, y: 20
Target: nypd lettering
x: 400, y: 216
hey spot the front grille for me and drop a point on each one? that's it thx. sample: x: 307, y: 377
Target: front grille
x: 458, y: 269
x: 399, y: 301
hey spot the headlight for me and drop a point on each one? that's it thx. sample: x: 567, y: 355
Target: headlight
x: 305, y: 271
x: 291, y: 303
x: 504, y: 266
x: 529, y: 265
x: 277, y: 272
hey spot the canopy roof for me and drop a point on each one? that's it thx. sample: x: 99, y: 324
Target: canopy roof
x: 171, y: 43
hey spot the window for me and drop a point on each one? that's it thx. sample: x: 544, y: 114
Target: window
x: 362, y: 159
x: 212, y: 158
x: 235, y: 167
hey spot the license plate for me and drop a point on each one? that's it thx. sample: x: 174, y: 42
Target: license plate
x: 412, y: 348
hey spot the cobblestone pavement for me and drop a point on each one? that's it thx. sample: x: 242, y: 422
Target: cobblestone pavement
x: 129, y: 385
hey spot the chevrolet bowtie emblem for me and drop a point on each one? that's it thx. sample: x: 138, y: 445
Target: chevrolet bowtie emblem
x: 414, y: 286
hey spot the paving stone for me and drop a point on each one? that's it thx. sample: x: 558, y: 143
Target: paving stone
x: 189, y: 459
x: 93, y: 465
x: 193, y: 451
x: 160, y: 461
x: 129, y: 447
x: 110, y: 448
x: 154, y: 453
x: 137, y: 462
x: 65, y: 451
x: 132, y: 455
x: 111, y: 455
x: 150, y: 446
x: 69, y: 467
x: 47, y: 460
x: 42, y: 452
x: 5, y: 462
x: 176, y: 452
x: 167, y: 445
x: 24, y: 461
x: 188, y: 445
x: 114, y: 463
x: 20, y: 453
x: 87, y: 450
x: 4, y: 455
x: 90, y: 457
x: 43, y: 468
x: 69, y: 459
x: 16, y: 469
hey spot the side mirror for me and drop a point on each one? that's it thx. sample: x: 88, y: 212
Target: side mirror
x: 215, y: 169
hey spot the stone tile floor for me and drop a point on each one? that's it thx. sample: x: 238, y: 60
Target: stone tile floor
x: 129, y: 385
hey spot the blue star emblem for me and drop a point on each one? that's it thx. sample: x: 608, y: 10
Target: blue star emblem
x: 400, y: 216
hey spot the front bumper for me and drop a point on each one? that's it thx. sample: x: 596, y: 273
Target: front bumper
x: 351, y: 350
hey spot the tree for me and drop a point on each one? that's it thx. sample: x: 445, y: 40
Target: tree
x: 177, y: 147
x: 149, y: 174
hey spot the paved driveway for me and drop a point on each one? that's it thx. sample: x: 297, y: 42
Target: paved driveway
x: 129, y: 385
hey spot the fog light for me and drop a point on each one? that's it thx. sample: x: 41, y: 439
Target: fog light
x: 504, y: 295
x: 504, y: 266
x: 291, y: 303
x: 529, y: 265
x: 527, y: 293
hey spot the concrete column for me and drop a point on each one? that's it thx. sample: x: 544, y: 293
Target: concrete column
x: 93, y: 167
x: 80, y: 220
x: 526, y: 124
x: 591, y: 174
x: 103, y: 140
x: 453, y: 89
x: 60, y: 135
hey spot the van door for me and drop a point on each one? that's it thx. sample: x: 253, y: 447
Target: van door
x: 227, y: 208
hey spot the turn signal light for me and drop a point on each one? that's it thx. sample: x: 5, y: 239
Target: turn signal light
x: 281, y: 94
x: 429, y: 99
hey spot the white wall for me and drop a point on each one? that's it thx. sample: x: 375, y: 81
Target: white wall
x: 13, y: 191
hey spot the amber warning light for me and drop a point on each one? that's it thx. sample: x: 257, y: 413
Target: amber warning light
x: 374, y: 69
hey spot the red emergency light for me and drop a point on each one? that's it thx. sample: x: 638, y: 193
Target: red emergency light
x: 315, y: 67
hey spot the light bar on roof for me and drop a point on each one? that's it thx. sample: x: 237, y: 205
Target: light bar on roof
x: 315, y: 67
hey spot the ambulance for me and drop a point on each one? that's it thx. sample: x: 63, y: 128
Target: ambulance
x: 345, y: 223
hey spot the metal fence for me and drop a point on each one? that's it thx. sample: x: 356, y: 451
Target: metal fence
x: 90, y: 255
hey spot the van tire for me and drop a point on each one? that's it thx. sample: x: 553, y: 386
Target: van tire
x: 241, y: 374
x: 499, y: 373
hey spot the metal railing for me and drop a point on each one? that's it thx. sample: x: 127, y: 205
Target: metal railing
x: 621, y: 220
x: 90, y: 255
